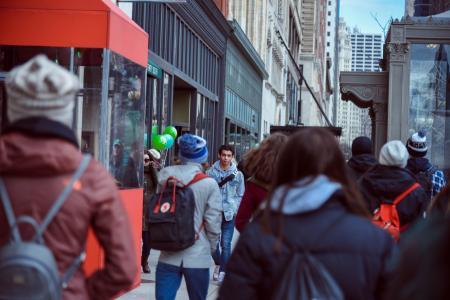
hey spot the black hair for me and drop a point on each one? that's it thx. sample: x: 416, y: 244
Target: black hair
x: 226, y: 148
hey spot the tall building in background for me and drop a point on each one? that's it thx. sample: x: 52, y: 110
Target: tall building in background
x: 366, y: 54
x: 348, y: 114
x: 366, y: 51
x: 424, y: 8
x: 357, y: 52
x: 332, y: 54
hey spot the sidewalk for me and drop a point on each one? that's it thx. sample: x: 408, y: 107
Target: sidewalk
x: 146, y: 290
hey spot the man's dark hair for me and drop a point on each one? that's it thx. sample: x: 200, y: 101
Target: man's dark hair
x: 361, y: 145
x: 226, y: 148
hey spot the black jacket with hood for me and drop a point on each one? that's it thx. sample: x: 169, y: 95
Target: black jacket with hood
x: 355, y: 252
x: 383, y: 184
x: 360, y: 164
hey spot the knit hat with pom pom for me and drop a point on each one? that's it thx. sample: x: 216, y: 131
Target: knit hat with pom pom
x: 417, y: 144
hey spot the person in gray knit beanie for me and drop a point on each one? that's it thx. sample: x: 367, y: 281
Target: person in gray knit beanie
x: 393, y: 153
x: 41, y: 88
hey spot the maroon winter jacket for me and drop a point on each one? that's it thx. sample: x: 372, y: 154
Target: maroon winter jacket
x: 35, y: 171
x: 254, y: 195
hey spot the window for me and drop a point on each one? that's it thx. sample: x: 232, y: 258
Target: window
x: 429, y: 99
x: 329, y: 13
x: 328, y: 44
x: 127, y: 121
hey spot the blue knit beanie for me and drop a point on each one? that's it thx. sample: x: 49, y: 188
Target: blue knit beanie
x: 192, y: 149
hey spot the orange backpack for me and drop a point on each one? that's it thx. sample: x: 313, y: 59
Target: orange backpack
x: 386, y: 216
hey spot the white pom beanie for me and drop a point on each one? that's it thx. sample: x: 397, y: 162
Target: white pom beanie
x: 41, y: 88
x: 394, y: 153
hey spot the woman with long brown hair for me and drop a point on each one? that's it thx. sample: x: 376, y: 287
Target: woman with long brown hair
x: 259, y: 164
x: 314, y: 207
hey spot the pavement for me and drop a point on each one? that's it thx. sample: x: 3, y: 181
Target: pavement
x: 146, y: 290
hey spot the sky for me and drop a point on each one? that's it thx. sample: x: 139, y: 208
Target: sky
x: 358, y: 13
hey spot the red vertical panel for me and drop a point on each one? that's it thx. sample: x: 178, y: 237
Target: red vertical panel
x: 132, y: 202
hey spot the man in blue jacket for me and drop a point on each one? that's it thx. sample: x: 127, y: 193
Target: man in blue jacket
x: 231, y: 183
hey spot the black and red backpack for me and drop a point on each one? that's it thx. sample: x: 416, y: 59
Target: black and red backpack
x: 170, y: 216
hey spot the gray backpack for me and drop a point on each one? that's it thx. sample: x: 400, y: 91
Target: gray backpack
x: 28, y: 269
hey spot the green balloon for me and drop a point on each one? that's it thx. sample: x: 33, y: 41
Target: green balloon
x: 169, y: 141
x: 172, y: 131
x: 159, y: 142
x: 154, y: 130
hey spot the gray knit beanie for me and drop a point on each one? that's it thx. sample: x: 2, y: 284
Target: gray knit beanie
x: 394, y: 153
x: 41, y: 88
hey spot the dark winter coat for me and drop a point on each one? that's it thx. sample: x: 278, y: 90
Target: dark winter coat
x: 355, y: 252
x: 436, y: 178
x: 150, y: 184
x: 37, y: 158
x: 384, y: 183
x: 359, y: 164
x: 427, y: 243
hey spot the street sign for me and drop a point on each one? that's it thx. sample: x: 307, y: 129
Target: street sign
x: 153, y: 69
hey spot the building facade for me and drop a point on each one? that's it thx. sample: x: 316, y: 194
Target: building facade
x: 299, y: 84
x: 245, y: 73
x: 315, y: 99
x: 423, y: 8
x: 262, y: 22
x: 332, y: 54
x: 188, y: 44
x: 347, y: 113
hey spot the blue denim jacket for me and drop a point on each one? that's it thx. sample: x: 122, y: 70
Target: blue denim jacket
x: 232, y: 191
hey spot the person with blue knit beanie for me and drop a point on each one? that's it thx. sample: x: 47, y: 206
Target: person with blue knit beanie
x: 192, y: 149
x: 192, y: 263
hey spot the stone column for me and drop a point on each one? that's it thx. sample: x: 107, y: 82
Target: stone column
x: 398, y: 98
x: 378, y: 114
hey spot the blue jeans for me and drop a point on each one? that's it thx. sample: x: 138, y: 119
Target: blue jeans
x: 221, y: 257
x: 168, y: 280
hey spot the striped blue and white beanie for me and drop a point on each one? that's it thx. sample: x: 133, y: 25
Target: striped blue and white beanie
x: 192, y: 148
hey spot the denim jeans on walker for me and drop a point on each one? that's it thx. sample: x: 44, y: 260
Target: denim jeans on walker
x: 221, y: 257
x: 168, y: 280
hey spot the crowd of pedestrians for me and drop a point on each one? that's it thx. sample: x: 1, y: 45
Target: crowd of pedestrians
x: 311, y: 224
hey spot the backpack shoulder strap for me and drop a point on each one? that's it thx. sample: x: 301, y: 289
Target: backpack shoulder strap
x: 405, y: 193
x: 9, y: 211
x: 199, y: 176
x: 63, y: 196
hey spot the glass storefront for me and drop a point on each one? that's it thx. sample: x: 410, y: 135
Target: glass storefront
x: 429, y: 90
x: 109, y: 108
x: 126, y: 104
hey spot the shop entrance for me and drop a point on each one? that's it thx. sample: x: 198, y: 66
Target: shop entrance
x: 181, y: 109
